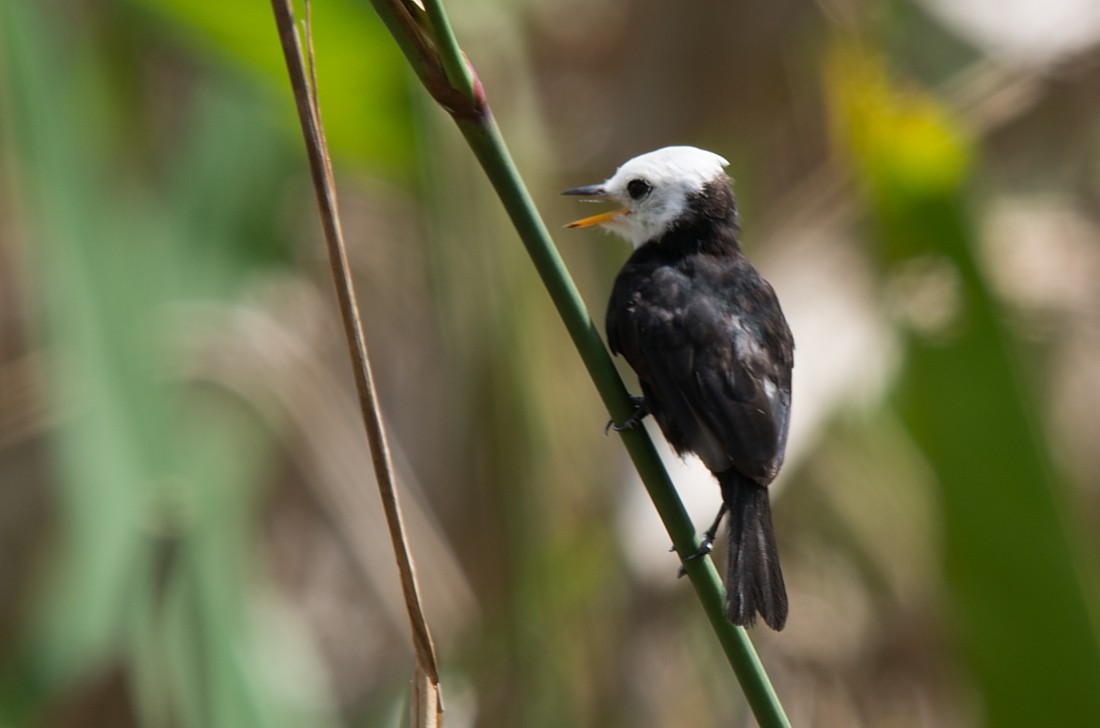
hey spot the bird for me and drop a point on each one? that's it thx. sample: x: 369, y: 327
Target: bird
x: 713, y: 352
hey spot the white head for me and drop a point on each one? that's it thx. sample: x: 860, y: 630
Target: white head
x: 653, y: 190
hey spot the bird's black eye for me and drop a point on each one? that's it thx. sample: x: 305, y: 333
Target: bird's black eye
x: 638, y: 188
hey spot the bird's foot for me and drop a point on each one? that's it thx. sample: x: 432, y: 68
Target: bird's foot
x: 705, y: 547
x: 635, y: 419
x: 707, y: 544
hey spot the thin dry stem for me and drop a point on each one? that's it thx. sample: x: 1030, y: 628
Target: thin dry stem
x: 305, y: 96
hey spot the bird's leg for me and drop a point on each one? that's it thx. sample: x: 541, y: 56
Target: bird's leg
x: 707, y: 544
x: 710, y: 534
x: 641, y: 409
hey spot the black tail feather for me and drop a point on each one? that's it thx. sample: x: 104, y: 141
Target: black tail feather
x: 754, y: 581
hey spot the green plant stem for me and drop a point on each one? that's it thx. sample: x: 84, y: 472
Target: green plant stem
x: 450, y: 55
x: 488, y: 146
x: 438, y: 61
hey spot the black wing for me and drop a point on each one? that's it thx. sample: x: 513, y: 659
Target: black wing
x: 713, y: 352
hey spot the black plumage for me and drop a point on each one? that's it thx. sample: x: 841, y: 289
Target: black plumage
x: 713, y: 353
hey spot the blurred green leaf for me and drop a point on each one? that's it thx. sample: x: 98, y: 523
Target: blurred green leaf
x: 156, y: 485
x: 1023, y: 608
x: 903, y: 144
x: 363, y: 78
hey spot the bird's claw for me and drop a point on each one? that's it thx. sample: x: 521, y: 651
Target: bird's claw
x: 635, y: 419
x: 628, y: 424
x: 705, y: 547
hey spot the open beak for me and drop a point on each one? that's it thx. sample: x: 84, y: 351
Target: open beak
x: 598, y: 219
x: 596, y: 193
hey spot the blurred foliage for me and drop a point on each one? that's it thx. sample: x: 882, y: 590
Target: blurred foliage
x: 186, y: 537
x: 371, y: 73
x: 156, y: 491
x: 904, y: 144
x: 1010, y: 553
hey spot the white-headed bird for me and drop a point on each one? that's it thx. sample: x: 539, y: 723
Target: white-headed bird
x: 711, y: 347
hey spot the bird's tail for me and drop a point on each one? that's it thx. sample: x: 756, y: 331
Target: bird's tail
x: 754, y: 581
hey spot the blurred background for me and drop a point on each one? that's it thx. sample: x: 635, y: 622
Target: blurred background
x: 189, y: 530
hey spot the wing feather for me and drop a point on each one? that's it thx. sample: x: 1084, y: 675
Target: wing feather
x: 717, y: 380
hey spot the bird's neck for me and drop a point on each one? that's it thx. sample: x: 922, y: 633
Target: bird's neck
x: 701, y: 234
x: 710, y: 225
